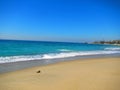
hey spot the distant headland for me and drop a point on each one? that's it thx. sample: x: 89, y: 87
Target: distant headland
x: 113, y: 42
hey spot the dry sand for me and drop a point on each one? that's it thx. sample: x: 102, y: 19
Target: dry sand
x: 86, y: 74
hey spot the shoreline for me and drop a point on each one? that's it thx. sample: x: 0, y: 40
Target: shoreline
x: 80, y: 74
x: 14, y: 66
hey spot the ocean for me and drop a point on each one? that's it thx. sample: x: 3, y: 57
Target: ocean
x: 18, y: 50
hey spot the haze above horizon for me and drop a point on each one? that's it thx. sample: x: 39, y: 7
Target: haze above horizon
x: 60, y: 20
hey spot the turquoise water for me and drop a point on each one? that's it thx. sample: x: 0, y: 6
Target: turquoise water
x: 13, y: 50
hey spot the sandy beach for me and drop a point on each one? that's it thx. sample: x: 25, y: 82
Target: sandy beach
x: 85, y: 74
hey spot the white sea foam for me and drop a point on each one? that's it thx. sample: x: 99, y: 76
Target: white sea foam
x: 53, y: 56
x: 113, y: 48
x: 64, y: 50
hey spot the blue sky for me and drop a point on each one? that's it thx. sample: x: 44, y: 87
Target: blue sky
x: 60, y: 20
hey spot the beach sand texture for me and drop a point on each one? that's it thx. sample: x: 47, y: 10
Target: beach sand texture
x: 86, y: 74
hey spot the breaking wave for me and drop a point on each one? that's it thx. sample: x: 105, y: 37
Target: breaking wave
x: 64, y: 50
x: 8, y: 59
x: 118, y: 49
